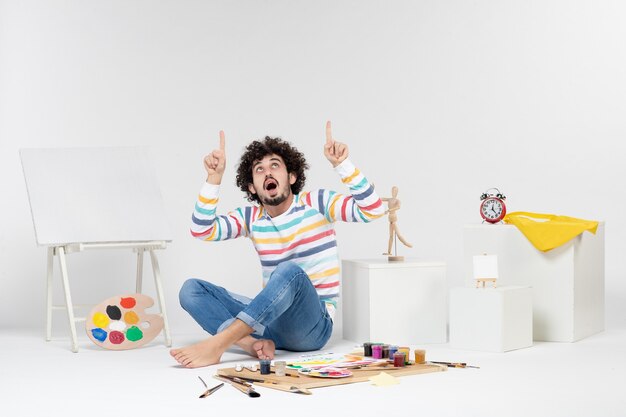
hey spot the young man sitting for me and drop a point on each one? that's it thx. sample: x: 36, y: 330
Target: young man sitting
x: 292, y: 231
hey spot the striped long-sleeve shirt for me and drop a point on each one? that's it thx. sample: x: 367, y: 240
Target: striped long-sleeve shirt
x: 303, y: 234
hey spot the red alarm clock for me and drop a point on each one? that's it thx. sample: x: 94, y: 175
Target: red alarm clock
x: 492, y: 208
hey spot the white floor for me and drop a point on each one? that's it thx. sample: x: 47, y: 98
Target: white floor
x: 38, y: 378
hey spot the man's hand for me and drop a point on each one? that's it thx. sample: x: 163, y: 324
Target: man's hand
x: 215, y: 162
x: 335, y: 152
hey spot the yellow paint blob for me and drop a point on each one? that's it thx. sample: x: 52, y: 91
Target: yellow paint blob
x: 100, y: 320
x: 131, y: 317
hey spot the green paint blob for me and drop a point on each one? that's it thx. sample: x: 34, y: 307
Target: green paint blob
x: 134, y: 333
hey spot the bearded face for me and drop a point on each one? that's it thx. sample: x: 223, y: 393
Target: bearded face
x: 271, y: 181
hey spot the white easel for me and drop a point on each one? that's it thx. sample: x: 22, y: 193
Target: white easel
x: 102, y: 198
x: 61, y: 251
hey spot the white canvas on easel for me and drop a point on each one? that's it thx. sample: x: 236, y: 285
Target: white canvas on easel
x: 485, y: 269
x: 95, y: 198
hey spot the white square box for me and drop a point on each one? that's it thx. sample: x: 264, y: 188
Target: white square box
x: 394, y: 302
x: 567, y: 282
x: 491, y: 319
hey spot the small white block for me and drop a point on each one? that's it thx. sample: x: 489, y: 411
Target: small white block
x: 491, y: 319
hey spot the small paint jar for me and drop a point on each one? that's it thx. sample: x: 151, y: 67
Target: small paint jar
x: 377, y: 351
x: 392, y: 349
x: 367, y: 349
x: 420, y: 355
x: 386, y: 352
x: 406, y: 351
x: 280, y: 368
x: 398, y: 359
x: 266, y: 366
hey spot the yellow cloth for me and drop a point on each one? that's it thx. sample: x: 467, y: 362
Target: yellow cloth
x: 548, y: 231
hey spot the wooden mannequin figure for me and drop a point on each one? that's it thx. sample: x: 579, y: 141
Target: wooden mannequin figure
x: 393, y: 205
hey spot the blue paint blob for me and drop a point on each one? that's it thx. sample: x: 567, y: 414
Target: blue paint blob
x: 99, y: 334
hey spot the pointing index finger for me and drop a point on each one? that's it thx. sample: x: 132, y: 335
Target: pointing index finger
x: 222, y: 140
x: 329, y: 133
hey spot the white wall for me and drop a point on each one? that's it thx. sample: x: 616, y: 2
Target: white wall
x: 442, y: 98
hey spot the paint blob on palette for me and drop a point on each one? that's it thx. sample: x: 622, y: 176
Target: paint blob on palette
x: 326, y: 372
x: 120, y: 322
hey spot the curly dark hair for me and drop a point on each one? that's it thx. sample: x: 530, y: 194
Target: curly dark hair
x: 257, y: 150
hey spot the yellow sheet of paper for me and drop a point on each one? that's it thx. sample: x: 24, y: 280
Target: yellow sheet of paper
x: 383, y: 379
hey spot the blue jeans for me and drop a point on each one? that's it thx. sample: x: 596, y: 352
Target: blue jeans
x: 288, y: 310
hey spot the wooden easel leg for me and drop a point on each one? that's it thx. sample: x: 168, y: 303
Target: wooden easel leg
x: 68, y: 298
x: 49, y: 294
x: 139, y: 270
x: 159, y: 289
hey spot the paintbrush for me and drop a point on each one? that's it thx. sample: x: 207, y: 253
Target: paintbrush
x: 455, y: 364
x: 209, y: 391
x: 268, y: 384
x: 242, y: 386
x: 281, y: 387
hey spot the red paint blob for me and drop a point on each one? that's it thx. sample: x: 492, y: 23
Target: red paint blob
x: 128, y: 302
x: 116, y: 337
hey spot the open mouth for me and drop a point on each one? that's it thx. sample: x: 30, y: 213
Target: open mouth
x: 270, y: 184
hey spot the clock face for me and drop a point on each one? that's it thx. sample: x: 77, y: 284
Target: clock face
x: 492, y: 210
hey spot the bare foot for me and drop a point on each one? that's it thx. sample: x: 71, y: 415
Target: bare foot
x: 261, y: 348
x: 264, y: 348
x: 205, y: 353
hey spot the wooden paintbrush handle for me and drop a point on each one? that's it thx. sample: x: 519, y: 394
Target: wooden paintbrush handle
x: 286, y: 388
x: 249, y: 391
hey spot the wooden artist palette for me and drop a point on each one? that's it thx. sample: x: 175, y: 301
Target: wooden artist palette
x: 302, y: 381
x: 120, y: 322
